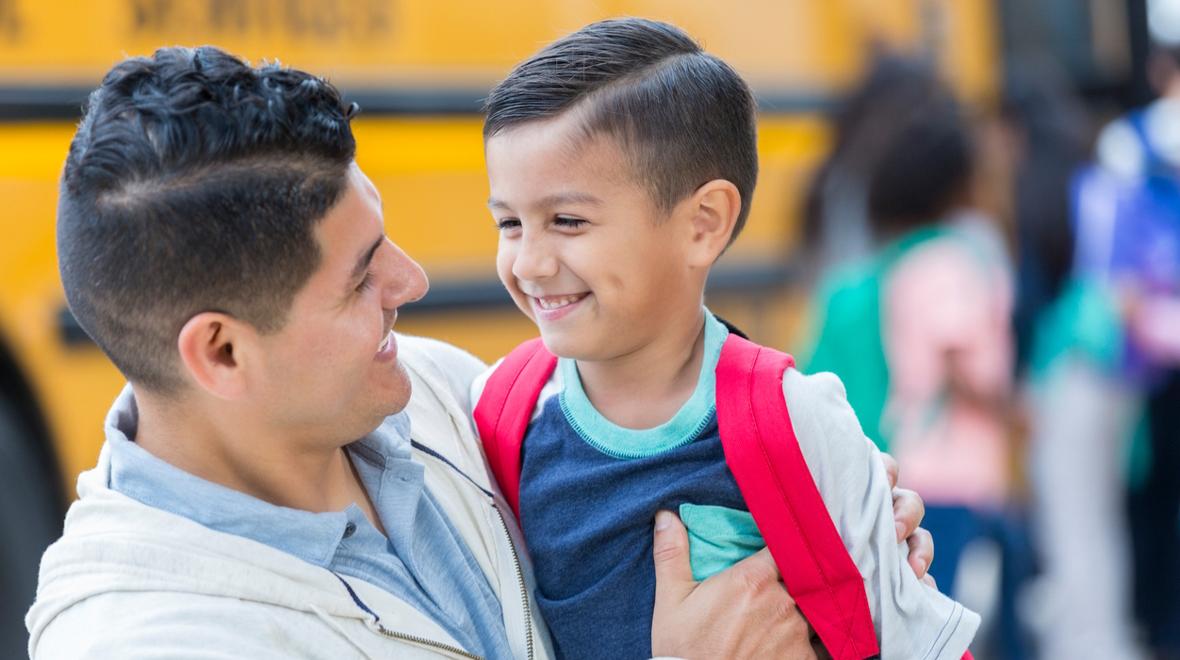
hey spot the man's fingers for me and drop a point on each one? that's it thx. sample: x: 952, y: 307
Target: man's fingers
x: 908, y: 510
x: 891, y: 468
x: 670, y: 553
x: 921, y: 545
x: 928, y: 580
x: 757, y: 571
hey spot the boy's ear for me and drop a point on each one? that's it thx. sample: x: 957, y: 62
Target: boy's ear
x: 714, y: 209
x: 212, y: 349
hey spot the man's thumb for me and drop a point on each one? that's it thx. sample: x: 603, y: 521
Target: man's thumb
x: 673, y: 569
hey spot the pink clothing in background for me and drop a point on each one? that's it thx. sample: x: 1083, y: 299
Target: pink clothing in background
x: 949, y: 301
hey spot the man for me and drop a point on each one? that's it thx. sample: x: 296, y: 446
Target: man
x: 218, y: 241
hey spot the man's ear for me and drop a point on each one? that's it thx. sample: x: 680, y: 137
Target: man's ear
x: 714, y: 209
x: 211, y: 349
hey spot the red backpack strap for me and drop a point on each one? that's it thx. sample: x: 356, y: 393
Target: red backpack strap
x: 763, y: 454
x: 505, y: 408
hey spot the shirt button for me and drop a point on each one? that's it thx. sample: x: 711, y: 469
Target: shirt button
x: 349, y: 530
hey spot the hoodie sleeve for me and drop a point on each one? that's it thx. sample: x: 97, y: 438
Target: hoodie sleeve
x: 911, y: 619
x: 164, y: 625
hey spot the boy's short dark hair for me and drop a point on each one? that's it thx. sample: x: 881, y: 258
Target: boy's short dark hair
x: 684, y: 116
x: 194, y: 183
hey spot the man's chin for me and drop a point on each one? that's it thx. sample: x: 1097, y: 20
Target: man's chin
x: 399, y: 392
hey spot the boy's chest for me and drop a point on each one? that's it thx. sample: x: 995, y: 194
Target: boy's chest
x: 588, y: 521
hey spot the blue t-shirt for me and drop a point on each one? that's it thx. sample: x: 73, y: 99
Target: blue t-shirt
x: 589, y: 494
x: 590, y: 490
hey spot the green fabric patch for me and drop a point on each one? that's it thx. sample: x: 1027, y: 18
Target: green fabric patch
x: 718, y: 537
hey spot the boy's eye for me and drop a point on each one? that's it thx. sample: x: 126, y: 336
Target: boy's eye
x: 569, y: 222
x: 507, y: 223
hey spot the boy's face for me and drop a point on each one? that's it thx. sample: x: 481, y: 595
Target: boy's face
x: 333, y: 368
x: 584, y: 250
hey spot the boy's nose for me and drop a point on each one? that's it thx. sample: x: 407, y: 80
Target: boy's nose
x: 533, y: 260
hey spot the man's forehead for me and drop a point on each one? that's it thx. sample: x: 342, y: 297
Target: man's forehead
x: 352, y: 228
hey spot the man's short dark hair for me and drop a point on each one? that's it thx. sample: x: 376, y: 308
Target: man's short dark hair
x: 194, y: 183
x: 684, y: 116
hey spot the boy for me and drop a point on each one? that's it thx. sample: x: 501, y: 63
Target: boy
x: 621, y: 162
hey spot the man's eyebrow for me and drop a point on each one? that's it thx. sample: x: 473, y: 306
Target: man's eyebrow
x: 556, y: 199
x: 362, y: 262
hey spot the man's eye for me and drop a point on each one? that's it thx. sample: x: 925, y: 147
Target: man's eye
x: 567, y: 221
x: 507, y: 223
x: 366, y: 283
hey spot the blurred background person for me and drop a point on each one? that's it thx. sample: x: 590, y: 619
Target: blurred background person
x: 1081, y: 414
x: 920, y: 329
x: 1128, y: 241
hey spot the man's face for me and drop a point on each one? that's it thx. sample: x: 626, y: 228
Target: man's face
x: 584, y: 250
x: 333, y: 369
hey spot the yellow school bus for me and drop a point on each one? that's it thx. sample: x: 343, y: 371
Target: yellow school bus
x: 419, y: 69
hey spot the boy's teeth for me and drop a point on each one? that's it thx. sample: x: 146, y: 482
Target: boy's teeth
x: 553, y: 302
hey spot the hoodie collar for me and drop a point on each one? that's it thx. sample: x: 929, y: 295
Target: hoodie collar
x: 313, y: 537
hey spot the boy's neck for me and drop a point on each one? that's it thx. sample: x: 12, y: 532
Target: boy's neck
x: 645, y: 388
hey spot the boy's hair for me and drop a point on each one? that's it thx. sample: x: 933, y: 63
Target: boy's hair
x: 683, y: 116
x: 194, y: 183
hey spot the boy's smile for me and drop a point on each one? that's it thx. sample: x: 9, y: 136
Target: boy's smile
x: 584, y: 250
x: 551, y: 308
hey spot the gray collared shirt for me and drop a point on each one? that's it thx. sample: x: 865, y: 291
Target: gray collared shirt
x: 423, y: 560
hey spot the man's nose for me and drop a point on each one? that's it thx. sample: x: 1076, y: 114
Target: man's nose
x: 408, y: 282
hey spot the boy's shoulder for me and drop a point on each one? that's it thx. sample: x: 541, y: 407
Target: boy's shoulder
x: 825, y: 425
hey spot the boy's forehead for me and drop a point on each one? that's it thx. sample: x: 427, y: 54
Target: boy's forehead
x: 558, y: 147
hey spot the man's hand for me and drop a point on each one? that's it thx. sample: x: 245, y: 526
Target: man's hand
x: 908, y: 510
x: 742, y: 612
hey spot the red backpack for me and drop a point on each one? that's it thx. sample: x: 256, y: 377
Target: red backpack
x: 762, y: 453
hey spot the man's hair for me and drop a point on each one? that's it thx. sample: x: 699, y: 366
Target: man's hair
x: 683, y: 116
x: 194, y: 183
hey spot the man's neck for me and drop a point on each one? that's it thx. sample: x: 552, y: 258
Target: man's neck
x: 646, y: 387
x: 239, y: 453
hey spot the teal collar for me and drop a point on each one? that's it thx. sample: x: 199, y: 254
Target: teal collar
x: 624, y: 443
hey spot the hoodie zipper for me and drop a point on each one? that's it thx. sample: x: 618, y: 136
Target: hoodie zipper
x: 524, y: 592
x: 377, y: 626
x: 422, y: 641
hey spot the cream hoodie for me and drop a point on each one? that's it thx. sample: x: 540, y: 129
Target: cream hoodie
x: 131, y: 581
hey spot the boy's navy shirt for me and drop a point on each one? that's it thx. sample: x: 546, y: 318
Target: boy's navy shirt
x: 590, y: 490
x: 588, y: 509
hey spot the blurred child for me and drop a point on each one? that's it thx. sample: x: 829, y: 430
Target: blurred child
x: 622, y: 162
x: 1082, y: 413
x: 922, y: 327
x: 1128, y: 229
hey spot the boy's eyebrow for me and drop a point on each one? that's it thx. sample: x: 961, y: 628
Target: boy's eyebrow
x: 363, y: 261
x: 556, y: 199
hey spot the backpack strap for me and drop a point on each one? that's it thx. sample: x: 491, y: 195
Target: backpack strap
x: 763, y: 454
x: 505, y: 408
